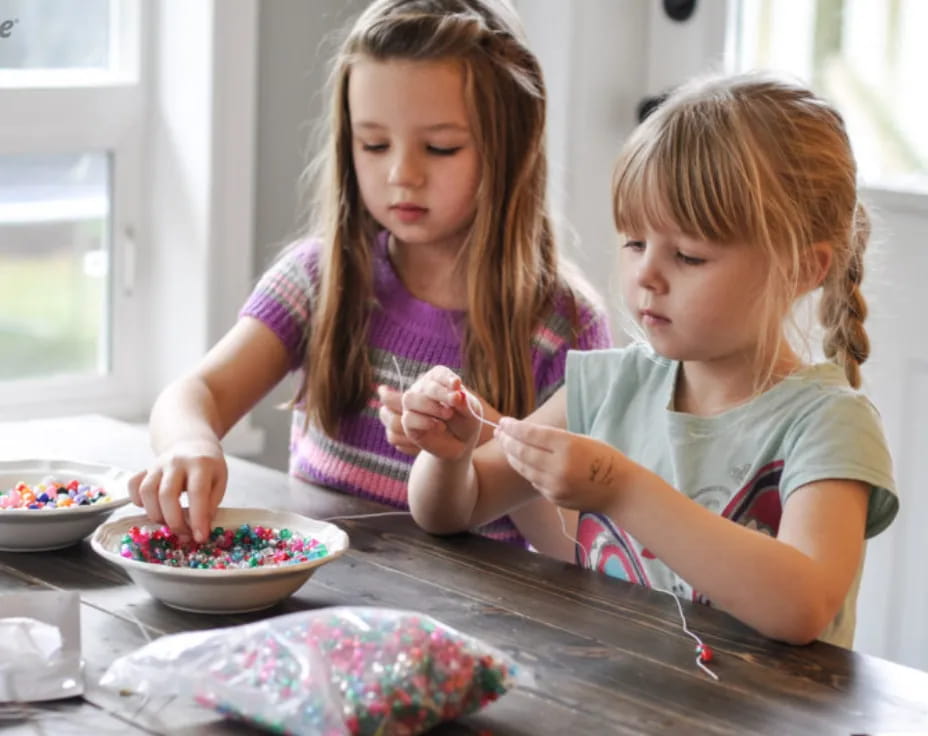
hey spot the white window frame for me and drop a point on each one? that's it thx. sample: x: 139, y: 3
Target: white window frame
x: 67, y: 112
x: 179, y: 119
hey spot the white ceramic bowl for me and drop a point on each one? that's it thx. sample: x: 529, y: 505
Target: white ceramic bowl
x: 33, y: 530
x: 223, y: 591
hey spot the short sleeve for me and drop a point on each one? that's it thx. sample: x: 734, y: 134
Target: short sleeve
x: 283, y: 297
x: 841, y: 437
x: 561, y: 332
x: 590, y: 376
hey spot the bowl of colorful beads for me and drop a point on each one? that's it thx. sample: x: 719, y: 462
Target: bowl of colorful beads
x: 253, y: 558
x: 50, y: 504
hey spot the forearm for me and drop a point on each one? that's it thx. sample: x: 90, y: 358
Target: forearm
x: 762, y: 581
x: 442, y: 493
x: 185, y: 410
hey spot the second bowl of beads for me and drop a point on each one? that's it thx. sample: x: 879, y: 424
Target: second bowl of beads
x: 253, y: 559
x: 49, y: 504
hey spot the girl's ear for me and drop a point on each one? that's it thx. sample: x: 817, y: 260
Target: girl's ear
x: 820, y: 264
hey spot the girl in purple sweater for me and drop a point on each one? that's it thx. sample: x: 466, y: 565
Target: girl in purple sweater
x: 433, y: 246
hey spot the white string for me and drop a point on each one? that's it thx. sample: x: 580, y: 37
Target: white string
x: 478, y: 415
x: 686, y: 629
x: 399, y: 372
x: 368, y: 516
x: 471, y: 401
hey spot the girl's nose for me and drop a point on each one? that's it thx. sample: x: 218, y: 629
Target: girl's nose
x: 405, y: 170
x: 649, y: 275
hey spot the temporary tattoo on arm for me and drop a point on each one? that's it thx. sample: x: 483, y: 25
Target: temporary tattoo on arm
x: 598, y: 475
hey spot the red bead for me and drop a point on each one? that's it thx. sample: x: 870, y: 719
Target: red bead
x: 704, y: 652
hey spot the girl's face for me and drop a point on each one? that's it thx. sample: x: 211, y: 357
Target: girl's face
x: 694, y: 300
x: 414, y: 154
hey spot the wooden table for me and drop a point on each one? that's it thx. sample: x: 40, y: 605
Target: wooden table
x: 607, y: 657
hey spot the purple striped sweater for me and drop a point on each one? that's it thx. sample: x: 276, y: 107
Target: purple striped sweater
x: 418, y: 336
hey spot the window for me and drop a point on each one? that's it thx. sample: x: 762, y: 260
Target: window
x: 867, y: 57
x: 71, y: 95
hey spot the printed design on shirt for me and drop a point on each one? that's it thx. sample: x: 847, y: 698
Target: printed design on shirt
x: 608, y: 548
x: 757, y: 504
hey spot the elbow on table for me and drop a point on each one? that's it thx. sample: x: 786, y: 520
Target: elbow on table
x: 802, y: 626
x: 434, y: 523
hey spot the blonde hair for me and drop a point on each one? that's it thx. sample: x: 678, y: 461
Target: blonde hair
x: 760, y: 160
x: 510, y: 260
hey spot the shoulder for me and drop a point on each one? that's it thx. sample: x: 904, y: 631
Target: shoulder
x: 837, y: 432
x: 294, y: 273
x: 304, y: 255
x: 575, y: 319
x: 636, y: 363
x: 821, y: 394
x: 602, y: 385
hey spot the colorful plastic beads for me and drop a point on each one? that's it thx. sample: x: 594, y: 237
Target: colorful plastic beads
x: 392, y: 672
x: 245, y: 547
x: 52, y: 494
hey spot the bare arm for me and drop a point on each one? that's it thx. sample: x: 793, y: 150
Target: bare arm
x: 453, y: 487
x: 194, y: 412
x: 788, y: 588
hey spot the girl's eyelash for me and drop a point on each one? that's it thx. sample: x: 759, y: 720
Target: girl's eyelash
x: 690, y: 260
x: 682, y: 257
x: 435, y: 150
x: 439, y: 151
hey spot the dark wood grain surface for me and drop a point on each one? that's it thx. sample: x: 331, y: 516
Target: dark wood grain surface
x: 606, y: 657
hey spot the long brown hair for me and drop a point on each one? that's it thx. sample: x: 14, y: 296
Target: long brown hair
x: 510, y: 260
x: 759, y: 160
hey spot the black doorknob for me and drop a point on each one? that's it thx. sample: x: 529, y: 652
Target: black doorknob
x: 679, y: 10
x: 649, y: 104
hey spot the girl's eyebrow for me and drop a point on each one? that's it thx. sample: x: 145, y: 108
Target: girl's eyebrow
x: 370, y: 125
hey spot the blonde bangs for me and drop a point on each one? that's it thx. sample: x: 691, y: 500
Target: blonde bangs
x: 688, y: 173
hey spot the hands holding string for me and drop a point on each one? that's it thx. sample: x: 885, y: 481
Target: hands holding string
x: 440, y: 415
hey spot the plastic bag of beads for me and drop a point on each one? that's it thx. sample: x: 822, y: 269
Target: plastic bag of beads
x: 342, y: 670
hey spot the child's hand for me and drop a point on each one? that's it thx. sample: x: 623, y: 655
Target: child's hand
x: 570, y: 470
x: 391, y: 416
x: 436, y: 415
x: 197, y: 467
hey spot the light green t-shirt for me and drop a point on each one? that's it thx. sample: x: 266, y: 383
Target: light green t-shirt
x: 743, y: 463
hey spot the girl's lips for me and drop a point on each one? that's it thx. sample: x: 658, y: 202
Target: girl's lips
x: 408, y: 212
x: 653, y: 319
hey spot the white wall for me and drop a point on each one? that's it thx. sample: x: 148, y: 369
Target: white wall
x: 293, y: 51
x: 592, y: 55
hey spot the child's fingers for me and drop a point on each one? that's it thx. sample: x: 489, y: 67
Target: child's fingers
x: 415, y: 424
x: 430, y: 401
x: 442, y: 376
x: 390, y: 398
x: 526, y: 455
x: 396, y: 435
x: 148, y: 494
x: 172, y: 484
x: 133, y: 485
x: 528, y: 433
x: 391, y: 420
x: 200, y: 503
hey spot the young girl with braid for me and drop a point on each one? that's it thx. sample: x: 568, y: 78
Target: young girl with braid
x: 709, y: 458
x: 432, y: 244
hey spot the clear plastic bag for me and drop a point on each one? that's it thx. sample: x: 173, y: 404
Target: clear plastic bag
x: 343, y: 670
